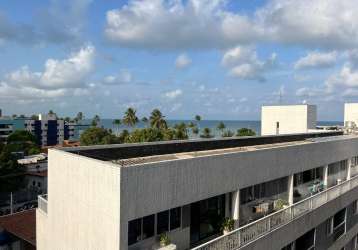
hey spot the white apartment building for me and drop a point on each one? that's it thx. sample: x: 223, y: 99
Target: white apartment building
x: 351, y: 115
x: 288, y: 119
x: 295, y: 191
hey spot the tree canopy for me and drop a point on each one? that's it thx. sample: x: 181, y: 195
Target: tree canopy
x: 97, y: 136
x: 245, y: 132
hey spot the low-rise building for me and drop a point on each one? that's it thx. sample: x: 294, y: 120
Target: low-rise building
x: 288, y: 119
x: 295, y: 191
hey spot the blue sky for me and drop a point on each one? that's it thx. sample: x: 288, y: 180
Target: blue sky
x: 218, y: 58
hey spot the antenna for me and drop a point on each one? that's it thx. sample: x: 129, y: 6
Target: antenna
x: 280, y: 96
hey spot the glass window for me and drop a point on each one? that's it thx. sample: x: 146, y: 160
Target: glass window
x: 148, y: 226
x: 162, y: 222
x: 134, y: 231
x: 355, y: 207
x: 175, y: 218
x: 306, y: 241
x: 339, y: 218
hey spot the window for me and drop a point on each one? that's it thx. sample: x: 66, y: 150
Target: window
x: 148, y: 226
x: 134, y: 231
x: 162, y: 222
x: 355, y: 207
x: 289, y: 247
x: 33, y: 183
x: 306, y: 241
x: 329, y: 226
x: 175, y: 218
x: 39, y: 184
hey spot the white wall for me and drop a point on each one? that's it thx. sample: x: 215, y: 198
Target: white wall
x: 83, y: 204
x: 351, y: 113
x: 292, y: 119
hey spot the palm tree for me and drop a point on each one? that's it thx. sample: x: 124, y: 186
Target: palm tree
x: 96, y: 120
x: 157, y: 120
x: 206, y: 133
x: 197, y: 119
x: 181, y: 131
x: 145, y: 120
x: 117, y: 123
x: 79, y: 117
x: 130, y: 118
x: 221, y: 126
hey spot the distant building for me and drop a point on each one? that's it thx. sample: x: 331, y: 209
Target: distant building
x: 288, y: 119
x: 48, y: 130
x: 18, y: 231
x: 351, y: 115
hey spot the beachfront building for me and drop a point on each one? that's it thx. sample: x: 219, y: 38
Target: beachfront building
x: 288, y: 119
x: 295, y: 191
x: 48, y: 129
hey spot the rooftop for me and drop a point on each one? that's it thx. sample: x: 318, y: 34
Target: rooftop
x: 141, y: 153
x: 22, y: 225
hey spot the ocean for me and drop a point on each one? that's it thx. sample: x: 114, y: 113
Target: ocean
x: 232, y: 125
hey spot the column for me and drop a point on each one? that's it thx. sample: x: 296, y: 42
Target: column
x: 290, y: 189
x: 325, y: 176
x: 235, y: 207
x: 227, y: 205
x: 349, y: 165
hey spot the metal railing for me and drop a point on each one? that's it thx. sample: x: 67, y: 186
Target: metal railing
x: 42, y: 203
x: 251, y: 232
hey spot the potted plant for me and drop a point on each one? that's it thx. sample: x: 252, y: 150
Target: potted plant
x: 227, y: 225
x: 164, y: 240
x: 280, y: 204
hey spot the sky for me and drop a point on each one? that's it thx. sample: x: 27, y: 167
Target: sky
x: 218, y: 58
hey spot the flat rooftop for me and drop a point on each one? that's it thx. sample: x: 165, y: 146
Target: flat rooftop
x: 140, y: 153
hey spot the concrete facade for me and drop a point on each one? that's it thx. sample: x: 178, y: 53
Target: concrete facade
x: 90, y: 202
x: 351, y: 114
x: 288, y: 119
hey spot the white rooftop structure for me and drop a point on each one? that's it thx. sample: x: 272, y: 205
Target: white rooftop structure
x: 288, y: 119
x: 351, y: 115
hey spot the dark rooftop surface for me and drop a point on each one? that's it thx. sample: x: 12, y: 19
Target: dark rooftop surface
x: 120, y: 152
x: 22, y: 225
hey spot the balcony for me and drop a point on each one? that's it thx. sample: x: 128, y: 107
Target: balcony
x: 42, y: 203
x: 251, y: 232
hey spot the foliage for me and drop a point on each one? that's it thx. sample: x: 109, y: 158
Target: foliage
x: 227, y: 224
x: 206, y: 133
x: 95, y: 121
x: 245, y: 132
x: 164, y: 239
x: 130, y: 118
x: 157, y: 120
x: 22, y: 141
x: 227, y: 133
x: 280, y: 203
x: 198, y: 118
x: 97, y: 136
x: 221, y: 126
x: 34, y: 117
x: 181, y: 132
x: 145, y: 135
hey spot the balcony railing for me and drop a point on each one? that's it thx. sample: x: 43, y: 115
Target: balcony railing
x: 42, y: 203
x: 251, y: 232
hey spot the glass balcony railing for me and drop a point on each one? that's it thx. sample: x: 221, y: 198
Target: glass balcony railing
x: 250, y: 232
x: 42, y: 203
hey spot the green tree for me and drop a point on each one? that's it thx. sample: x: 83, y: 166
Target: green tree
x: 157, y: 120
x: 130, y: 118
x: 221, y: 126
x: 22, y: 141
x: 181, y: 132
x: 11, y: 173
x: 227, y: 133
x: 79, y: 117
x: 34, y: 117
x: 206, y: 133
x: 145, y: 135
x: 95, y: 121
x: 245, y: 132
x: 97, y: 136
x: 117, y: 124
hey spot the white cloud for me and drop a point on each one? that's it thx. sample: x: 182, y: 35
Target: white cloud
x: 182, y: 61
x: 178, y: 24
x: 60, y: 78
x: 316, y: 60
x: 173, y: 94
x: 245, y: 64
x: 123, y: 77
x: 68, y: 73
